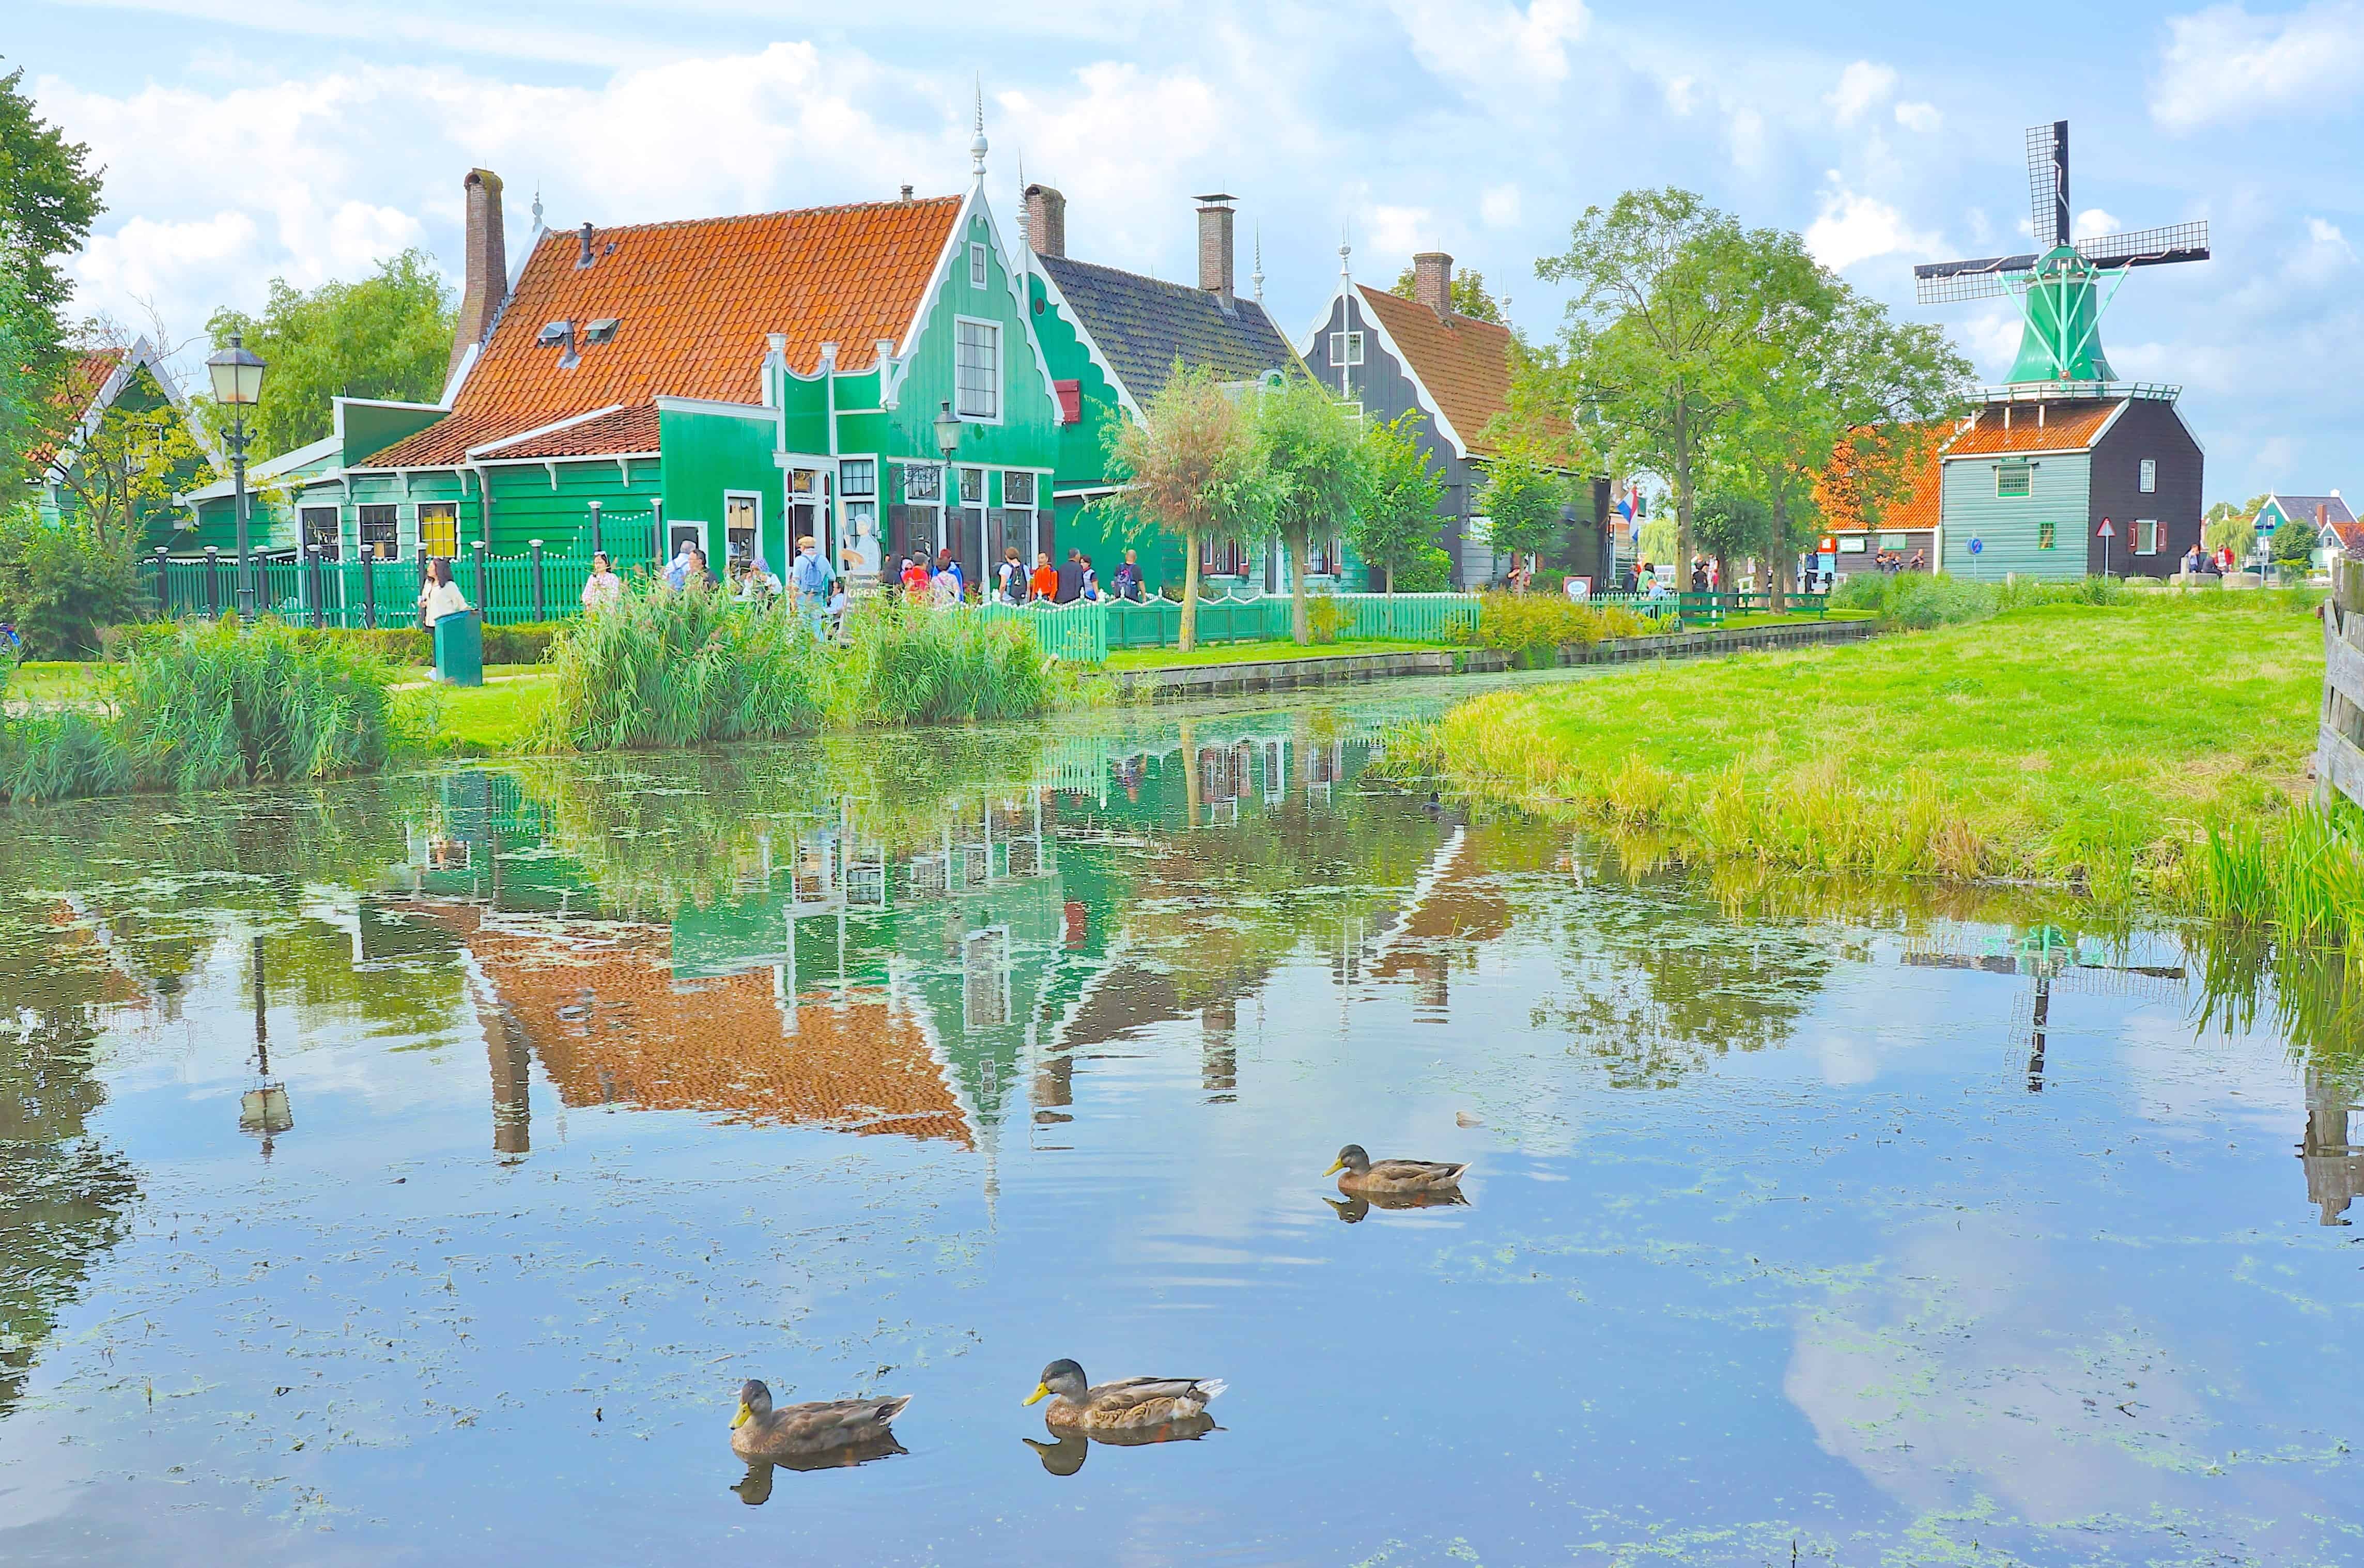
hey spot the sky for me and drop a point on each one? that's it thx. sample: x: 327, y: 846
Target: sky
x: 248, y: 139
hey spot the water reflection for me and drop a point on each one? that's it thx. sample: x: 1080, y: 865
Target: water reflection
x: 556, y: 1065
x: 1065, y: 1452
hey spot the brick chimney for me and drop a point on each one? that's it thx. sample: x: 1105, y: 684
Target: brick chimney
x: 487, y: 265
x: 1046, y: 221
x: 1215, y: 246
x: 1432, y: 282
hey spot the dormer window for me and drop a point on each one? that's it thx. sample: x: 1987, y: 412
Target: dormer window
x: 601, y: 331
x: 978, y: 275
x: 554, y: 333
x: 1345, y: 348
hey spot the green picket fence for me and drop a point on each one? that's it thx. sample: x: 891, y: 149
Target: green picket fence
x: 509, y: 589
x: 1076, y: 633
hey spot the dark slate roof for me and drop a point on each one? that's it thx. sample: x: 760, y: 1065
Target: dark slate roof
x: 2300, y: 508
x: 1144, y: 325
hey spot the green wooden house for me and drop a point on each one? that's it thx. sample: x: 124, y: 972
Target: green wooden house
x: 125, y: 405
x: 2034, y: 476
x: 734, y: 383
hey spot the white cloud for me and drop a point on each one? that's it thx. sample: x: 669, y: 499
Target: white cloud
x: 1474, y: 42
x: 2222, y: 65
x: 1861, y: 85
x: 2093, y: 223
x: 1499, y: 206
x: 1923, y: 118
x: 2326, y: 255
x: 1747, y: 138
x: 1855, y: 228
x: 1682, y: 93
x: 1400, y: 230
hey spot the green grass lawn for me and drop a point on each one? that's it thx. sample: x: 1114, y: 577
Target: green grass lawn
x: 1251, y: 653
x: 2063, y: 742
x: 490, y: 718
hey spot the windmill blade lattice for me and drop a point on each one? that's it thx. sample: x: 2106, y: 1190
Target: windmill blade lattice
x: 2048, y: 182
x: 2149, y: 247
x: 1992, y: 279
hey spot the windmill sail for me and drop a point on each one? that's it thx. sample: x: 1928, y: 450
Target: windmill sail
x: 1936, y: 283
x: 2048, y: 182
x: 2149, y: 247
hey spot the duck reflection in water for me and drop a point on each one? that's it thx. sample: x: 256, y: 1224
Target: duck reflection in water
x: 1064, y: 1455
x: 1353, y: 1207
x: 755, y: 1488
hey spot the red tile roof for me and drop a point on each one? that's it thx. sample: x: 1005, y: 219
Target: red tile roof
x: 694, y: 301
x: 624, y: 430
x: 85, y: 377
x: 1915, y: 503
x: 2066, y: 427
x: 1465, y: 363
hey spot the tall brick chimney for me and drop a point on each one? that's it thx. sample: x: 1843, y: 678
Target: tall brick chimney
x: 487, y: 264
x: 1046, y: 221
x: 1432, y: 282
x: 1215, y: 246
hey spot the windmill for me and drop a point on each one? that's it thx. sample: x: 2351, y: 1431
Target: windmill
x: 2065, y: 284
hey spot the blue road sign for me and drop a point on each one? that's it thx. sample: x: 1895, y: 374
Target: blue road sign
x: 1977, y: 544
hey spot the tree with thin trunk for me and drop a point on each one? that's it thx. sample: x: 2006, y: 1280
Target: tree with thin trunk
x: 1308, y: 458
x: 1669, y: 295
x: 1188, y: 470
x: 1401, y: 489
x: 1523, y: 502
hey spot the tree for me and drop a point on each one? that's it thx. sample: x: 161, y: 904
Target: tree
x: 1670, y: 297
x: 49, y: 198
x: 1187, y: 469
x: 122, y: 473
x: 1402, y: 487
x: 2227, y: 526
x: 388, y: 336
x: 1833, y: 383
x: 2295, y: 542
x: 1522, y: 500
x: 62, y: 585
x: 1468, y: 295
x: 1308, y: 458
x: 1733, y: 523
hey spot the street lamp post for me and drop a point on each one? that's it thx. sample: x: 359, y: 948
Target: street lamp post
x: 948, y: 435
x: 237, y: 376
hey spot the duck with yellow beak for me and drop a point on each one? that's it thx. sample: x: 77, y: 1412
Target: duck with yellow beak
x: 793, y: 1431
x: 1128, y: 1403
x: 1367, y: 1177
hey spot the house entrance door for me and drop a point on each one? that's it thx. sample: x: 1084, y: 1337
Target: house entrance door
x: 808, y: 512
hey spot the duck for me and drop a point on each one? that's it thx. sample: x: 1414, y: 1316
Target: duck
x: 798, y: 1432
x: 1367, y: 1177
x: 1130, y: 1404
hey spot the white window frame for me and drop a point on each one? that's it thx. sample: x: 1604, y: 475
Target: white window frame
x: 756, y: 553
x: 419, y: 526
x: 2026, y: 468
x: 980, y: 270
x: 2150, y: 476
x: 998, y: 399
x: 1345, y: 349
x: 2140, y: 548
x: 304, y: 528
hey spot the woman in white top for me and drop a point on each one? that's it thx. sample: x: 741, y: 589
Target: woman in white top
x: 604, y: 588
x: 442, y: 597
x: 947, y: 589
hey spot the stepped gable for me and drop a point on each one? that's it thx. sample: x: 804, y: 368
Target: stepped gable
x: 603, y: 1014
x: 693, y: 302
x: 1465, y: 363
x: 1144, y: 325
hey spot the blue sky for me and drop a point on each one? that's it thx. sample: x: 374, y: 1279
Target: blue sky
x: 248, y: 139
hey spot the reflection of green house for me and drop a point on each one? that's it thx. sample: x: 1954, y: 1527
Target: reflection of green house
x: 730, y: 382
x: 124, y: 402
x: 1112, y: 339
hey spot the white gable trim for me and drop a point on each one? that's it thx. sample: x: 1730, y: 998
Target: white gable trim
x: 1428, y: 403
x: 708, y: 405
x: 955, y: 249
x: 141, y: 355
x: 1058, y: 301
x: 327, y: 446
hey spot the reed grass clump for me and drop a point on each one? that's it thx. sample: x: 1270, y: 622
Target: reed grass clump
x: 904, y: 663
x: 1519, y: 623
x: 200, y: 706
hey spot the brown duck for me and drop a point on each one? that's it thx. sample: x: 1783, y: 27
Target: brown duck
x: 1128, y: 1404
x: 798, y: 1432
x: 1366, y: 1177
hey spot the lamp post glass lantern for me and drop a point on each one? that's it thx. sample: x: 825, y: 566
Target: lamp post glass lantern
x: 237, y: 376
x: 948, y: 435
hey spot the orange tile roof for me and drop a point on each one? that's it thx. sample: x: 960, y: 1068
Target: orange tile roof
x: 84, y: 380
x: 625, y: 430
x: 2066, y: 427
x: 695, y: 301
x: 1839, y: 496
x: 1465, y: 363
x: 609, y: 1025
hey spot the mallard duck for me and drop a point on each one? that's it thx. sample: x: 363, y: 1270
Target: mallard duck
x: 1128, y: 1404
x: 1392, y: 1178
x: 798, y: 1431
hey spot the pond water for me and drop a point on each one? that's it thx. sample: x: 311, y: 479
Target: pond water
x: 410, y: 1170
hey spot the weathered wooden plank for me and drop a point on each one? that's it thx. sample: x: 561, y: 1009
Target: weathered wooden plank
x: 2342, y: 658
x: 2339, y: 763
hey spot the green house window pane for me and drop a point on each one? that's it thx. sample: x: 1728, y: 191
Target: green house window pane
x: 2013, y: 481
x: 2046, y: 536
x: 977, y: 387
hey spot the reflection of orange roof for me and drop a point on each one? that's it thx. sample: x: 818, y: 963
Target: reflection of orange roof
x: 1838, y: 490
x: 2065, y: 427
x: 1465, y: 363
x: 693, y: 302
x: 609, y: 1024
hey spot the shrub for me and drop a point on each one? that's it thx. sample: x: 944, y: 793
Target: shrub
x: 525, y: 644
x: 1430, y: 570
x: 1914, y: 600
x: 1326, y: 617
x: 62, y: 584
x: 1522, y: 622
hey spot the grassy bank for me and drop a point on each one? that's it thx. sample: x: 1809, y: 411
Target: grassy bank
x: 2097, y: 745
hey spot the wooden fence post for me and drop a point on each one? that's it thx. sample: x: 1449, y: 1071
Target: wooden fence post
x: 368, y: 590
x: 213, y: 583
x: 595, y: 527
x: 163, y: 585
x: 533, y: 549
x: 2339, y: 751
x: 484, y: 603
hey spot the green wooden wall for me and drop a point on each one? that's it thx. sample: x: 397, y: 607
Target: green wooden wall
x: 2060, y: 492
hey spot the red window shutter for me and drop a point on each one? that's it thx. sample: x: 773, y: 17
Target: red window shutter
x: 1071, y: 401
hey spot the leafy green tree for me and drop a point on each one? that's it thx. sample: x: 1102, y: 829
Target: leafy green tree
x: 2226, y: 527
x: 1189, y: 469
x: 1670, y: 299
x: 1522, y: 500
x: 386, y: 336
x: 2295, y: 542
x: 121, y: 476
x: 49, y: 198
x: 1468, y: 295
x: 1403, y: 485
x: 1731, y: 524
x: 63, y: 584
x: 1308, y: 458
x: 28, y: 406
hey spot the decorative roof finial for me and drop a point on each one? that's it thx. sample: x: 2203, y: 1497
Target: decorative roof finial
x: 976, y: 147
x: 1025, y: 240
x: 1345, y: 258
x: 537, y: 210
x: 1257, y: 277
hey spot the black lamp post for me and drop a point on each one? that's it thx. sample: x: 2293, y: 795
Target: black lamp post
x: 237, y: 376
x: 948, y: 435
